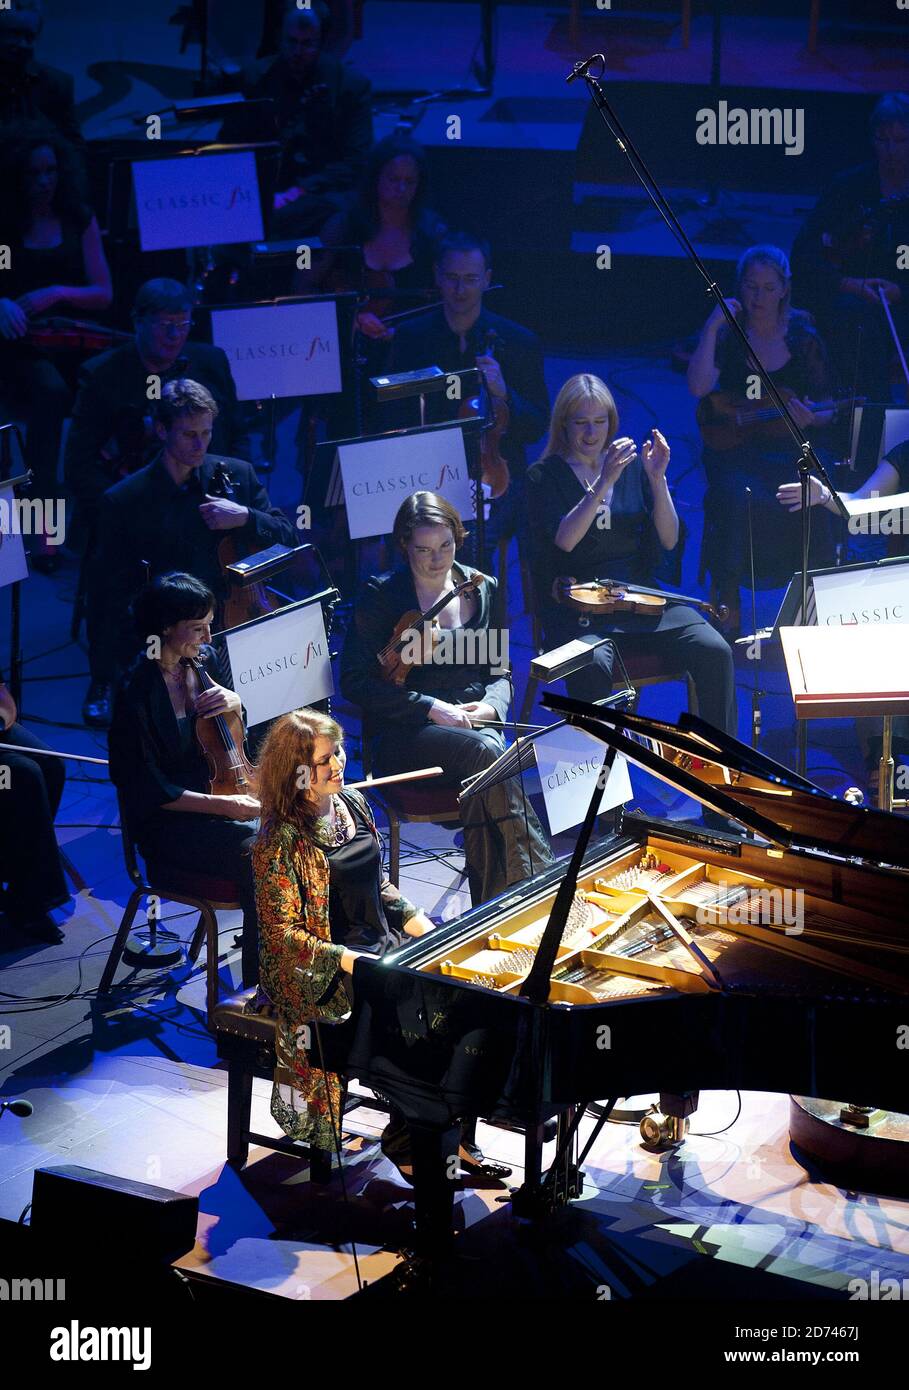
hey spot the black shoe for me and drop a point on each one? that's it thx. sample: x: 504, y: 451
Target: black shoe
x: 479, y: 1163
x: 42, y: 928
x: 96, y: 711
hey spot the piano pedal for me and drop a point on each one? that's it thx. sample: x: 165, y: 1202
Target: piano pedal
x: 665, y: 1125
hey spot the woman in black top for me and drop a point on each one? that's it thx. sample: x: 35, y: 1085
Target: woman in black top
x: 600, y: 510
x: 30, y: 791
x: 57, y: 266
x: 790, y: 349
x: 156, y: 761
x: 444, y: 715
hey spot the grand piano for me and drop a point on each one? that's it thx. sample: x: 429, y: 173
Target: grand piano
x: 660, y: 957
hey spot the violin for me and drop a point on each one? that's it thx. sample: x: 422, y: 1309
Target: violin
x: 495, y: 472
x: 243, y: 602
x: 391, y: 657
x: 221, y: 738
x: 601, y: 596
x: 73, y: 335
x: 728, y: 421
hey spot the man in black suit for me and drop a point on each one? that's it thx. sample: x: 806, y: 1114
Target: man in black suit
x: 112, y: 432
x: 463, y: 334
x: 30, y: 90
x: 324, y: 114
x: 166, y: 515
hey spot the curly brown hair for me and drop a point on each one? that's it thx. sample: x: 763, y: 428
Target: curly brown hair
x: 284, y: 757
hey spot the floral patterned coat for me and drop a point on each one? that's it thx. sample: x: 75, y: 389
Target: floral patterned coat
x: 299, y: 970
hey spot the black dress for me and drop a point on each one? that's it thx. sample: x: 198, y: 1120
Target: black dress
x: 154, y: 758
x: 41, y: 383
x: 762, y: 467
x: 626, y: 549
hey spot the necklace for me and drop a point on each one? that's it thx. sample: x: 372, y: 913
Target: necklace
x: 177, y: 674
x: 337, y: 825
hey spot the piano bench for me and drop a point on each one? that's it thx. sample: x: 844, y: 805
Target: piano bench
x: 246, y: 1042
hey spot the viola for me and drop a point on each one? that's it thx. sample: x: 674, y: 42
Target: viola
x: 495, y: 472
x: 221, y: 738
x: 243, y: 602
x: 602, y: 596
x: 391, y: 657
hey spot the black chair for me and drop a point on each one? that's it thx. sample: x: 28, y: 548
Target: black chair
x: 206, y: 893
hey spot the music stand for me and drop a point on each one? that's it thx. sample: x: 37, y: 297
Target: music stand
x: 838, y: 673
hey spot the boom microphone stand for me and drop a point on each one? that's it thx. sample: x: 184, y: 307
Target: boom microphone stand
x: 808, y: 461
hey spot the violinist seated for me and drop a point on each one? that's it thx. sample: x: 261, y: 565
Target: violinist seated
x: 396, y: 231
x: 461, y: 334
x: 845, y: 257
x: 600, y: 509
x: 158, y: 748
x: 31, y: 788
x: 747, y: 444
x: 323, y: 901
x: 57, y: 266
x: 168, y: 515
x: 398, y: 234
x: 449, y: 713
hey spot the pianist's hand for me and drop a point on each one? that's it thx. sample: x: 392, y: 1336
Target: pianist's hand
x: 419, y: 924
x: 449, y: 716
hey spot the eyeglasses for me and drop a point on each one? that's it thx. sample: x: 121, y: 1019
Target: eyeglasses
x: 470, y: 282
x: 172, y: 330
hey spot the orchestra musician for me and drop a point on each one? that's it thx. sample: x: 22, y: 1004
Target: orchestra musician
x: 29, y: 90
x: 156, y: 760
x: 167, y: 516
x: 57, y: 266
x: 760, y: 456
x: 443, y: 714
x: 31, y: 788
x: 324, y: 113
x: 323, y: 899
x: 396, y: 229
x: 599, y: 508
x: 463, y: 333
x: 112, y: 430
x: 848, y: 252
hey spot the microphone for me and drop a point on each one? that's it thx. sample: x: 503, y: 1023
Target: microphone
x: 22, y: 1108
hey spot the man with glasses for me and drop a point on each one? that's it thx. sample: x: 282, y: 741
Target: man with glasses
x: 848, y: 253
x: 112, y: 432
x: 463, y: 333
x: 30, y: 90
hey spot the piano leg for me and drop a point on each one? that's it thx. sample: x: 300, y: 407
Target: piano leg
x: 435, y: 1176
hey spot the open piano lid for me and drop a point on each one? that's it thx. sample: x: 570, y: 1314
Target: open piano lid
x: 743, y: 784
